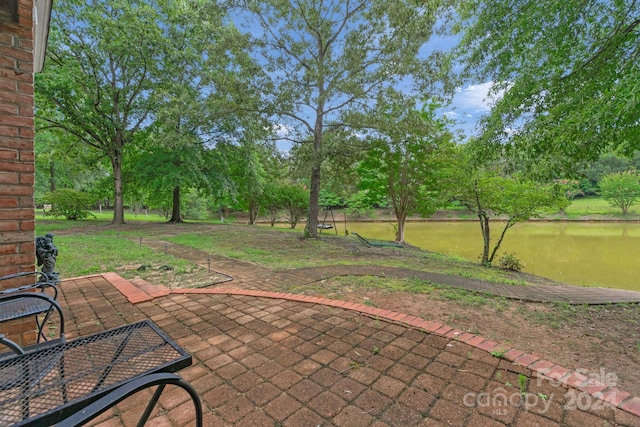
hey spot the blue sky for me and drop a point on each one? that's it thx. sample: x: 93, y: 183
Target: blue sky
x: 469, y: 104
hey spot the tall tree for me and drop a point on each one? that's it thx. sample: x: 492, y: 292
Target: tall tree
x: 111, y: 67
x: 568, y: 73
x: 204, y: 75
x: 100, y: 63
x: 323, y: 60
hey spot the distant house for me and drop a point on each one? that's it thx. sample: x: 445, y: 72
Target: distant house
x: 24, y: 27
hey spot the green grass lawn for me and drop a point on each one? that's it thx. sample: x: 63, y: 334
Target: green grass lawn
x: 108, y: 216
x: 581, y: 207
x: 95, y: 246
x: 597, y: 206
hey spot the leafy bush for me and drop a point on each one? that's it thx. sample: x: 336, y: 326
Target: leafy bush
x: 194, y: 206
x: 328, y: 199
x: 509, y: 261
x: 69, y: 204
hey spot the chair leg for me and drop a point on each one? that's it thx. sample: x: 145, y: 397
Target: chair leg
x: 40, y: 325
x: 151, y: 405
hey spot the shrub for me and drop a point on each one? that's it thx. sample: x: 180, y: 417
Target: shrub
x: 295, y: 199
x: 509, y: 261
x: 69, y: 204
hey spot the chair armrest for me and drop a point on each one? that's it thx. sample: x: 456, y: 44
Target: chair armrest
x: 12, y: 345
x: 26, y: 273
x: 111, y: 399
x: 44, y: 283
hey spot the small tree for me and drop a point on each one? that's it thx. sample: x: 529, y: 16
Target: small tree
x: 295, y: 200
x: 410, y: 162
x: 69, y: 204
x: 490, y: 195
x: 272, y: 203
x: 621, y: 189
x: 571, y: 188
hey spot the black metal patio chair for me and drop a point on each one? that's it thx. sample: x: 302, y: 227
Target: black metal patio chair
x: 37, y: 299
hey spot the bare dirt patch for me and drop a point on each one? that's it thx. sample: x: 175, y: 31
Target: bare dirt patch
x: 196, y: 277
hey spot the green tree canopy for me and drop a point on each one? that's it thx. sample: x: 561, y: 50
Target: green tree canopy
x: 606, y: 165
x: 325, y: 60
x: 115, y: 68
x: 61, y: 163
x: 101, y: 59
x: 568, y: 73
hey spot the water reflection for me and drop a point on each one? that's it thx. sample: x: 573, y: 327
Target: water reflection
x: 591, y: 254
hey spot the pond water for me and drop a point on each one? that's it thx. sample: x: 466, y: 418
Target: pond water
x: 578, y: 253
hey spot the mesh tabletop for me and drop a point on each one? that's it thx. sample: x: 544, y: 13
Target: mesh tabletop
x: 53, y: 381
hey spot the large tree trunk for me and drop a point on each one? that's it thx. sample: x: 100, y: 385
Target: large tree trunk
x: 176, y: 216
x: 52, y: 176
x: 118, y: 208
x: 311, y: 229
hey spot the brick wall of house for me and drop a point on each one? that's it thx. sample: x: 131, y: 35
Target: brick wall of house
x: 17, y: 214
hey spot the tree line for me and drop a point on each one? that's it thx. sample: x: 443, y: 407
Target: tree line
x: 169, y: 104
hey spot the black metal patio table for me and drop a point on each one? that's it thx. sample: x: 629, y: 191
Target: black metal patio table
x: 70, y: 383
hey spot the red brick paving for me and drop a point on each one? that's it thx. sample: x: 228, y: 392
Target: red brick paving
x: 262, y: 358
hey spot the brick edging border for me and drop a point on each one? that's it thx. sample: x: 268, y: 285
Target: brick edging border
x: 547, y: 370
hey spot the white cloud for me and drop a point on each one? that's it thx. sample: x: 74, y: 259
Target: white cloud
x: 470, y: 103
x: 281, y: 130
x: 476, y: 98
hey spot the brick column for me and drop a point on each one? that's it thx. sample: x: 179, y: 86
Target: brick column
x: 17, y: 213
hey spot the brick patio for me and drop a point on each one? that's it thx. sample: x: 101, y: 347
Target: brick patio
x: 268, y: 359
